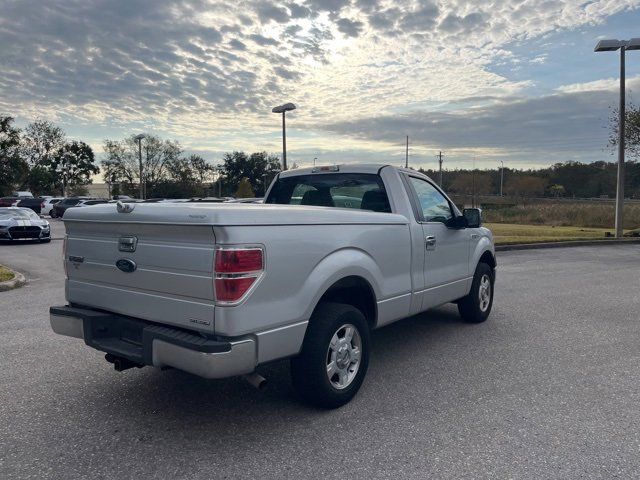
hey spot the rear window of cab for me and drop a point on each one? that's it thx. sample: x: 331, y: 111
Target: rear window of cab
x: 361, y: 191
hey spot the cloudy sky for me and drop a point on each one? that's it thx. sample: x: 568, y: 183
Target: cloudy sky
x: 483, y: 81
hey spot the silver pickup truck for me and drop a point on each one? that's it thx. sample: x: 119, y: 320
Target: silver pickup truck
x: 218, y: 289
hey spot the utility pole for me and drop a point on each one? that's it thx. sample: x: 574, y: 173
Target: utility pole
x: 440, y: 162
x: 473, y: 182
x: 501, y: 176
x: 406, y: 156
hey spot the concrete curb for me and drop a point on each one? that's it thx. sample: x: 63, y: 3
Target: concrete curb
x: 569, y: 243
x: 17, y: 281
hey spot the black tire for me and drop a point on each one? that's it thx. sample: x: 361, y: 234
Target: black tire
x: 309, y: 369
x: 470, y: 308
x: 53, y: 214
x: 45, y: 240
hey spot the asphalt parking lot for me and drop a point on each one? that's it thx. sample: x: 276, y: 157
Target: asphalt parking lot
x: 546, y: 388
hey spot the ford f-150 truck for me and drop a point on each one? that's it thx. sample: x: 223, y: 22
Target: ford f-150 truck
x: 219, y: 289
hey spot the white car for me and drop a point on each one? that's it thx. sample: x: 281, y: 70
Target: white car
x: 47, y: 205
x: 23, y: 224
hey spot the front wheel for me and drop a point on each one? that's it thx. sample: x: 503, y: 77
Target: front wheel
x: 476, y: 307
x: 335, y: 355
x: 53, y: 214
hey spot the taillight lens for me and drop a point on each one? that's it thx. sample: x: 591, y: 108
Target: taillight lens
x: 238, y: 260
x: 236, y: 269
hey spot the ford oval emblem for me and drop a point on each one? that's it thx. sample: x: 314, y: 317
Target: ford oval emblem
x: 126, y: 265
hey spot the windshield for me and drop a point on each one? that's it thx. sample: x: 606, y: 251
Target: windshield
x: 7, y: 213
x: 362, y: 191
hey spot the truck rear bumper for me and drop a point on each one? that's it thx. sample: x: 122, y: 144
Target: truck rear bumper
x: 147, y: 343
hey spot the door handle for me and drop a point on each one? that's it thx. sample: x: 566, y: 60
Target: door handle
x: 474, y: 236
x: 430, y: 242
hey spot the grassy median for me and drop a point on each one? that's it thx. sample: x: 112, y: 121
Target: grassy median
x: 5, y: 274
x: 507, y: 233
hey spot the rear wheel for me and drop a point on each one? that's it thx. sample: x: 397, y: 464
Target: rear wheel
x: 476, y: 306
x: 335, y: 355
x: 53, y: 213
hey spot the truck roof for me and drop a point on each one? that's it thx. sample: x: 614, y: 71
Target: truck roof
x: 343, y: 167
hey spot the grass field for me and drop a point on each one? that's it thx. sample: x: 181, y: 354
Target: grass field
x: 5, y: 274
x: 590, y: 215
x: 506, y: 233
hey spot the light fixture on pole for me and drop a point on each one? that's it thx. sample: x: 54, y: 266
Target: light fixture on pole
x: 138, y: 138
x: 623, y: 46
x: 283, y: 109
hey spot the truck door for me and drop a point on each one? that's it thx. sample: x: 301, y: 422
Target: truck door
x: 446, y: 261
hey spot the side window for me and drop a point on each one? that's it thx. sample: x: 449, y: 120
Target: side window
x: 435, y: 207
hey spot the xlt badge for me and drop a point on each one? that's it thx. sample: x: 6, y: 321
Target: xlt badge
x: 127, y: 244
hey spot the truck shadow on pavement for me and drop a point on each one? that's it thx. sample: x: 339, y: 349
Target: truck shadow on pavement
x: 404, y: 354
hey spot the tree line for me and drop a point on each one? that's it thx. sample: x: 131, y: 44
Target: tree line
x: 42, y: 159
x: 569, y: 179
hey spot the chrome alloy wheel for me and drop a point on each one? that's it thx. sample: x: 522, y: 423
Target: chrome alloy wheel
x: 343, y: 356
x: 484, y: 292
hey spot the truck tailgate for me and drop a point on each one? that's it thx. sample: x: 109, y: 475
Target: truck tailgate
x: 171, y: 270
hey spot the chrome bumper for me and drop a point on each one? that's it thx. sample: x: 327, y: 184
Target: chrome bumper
x: 158, y: 345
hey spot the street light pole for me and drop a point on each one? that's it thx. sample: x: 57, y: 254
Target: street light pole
x: 623, y: 46
x: 139, y: 139
x: 219, y: 168
x: 621, y: 126
x: 287, y: 107
x: 284, y: 142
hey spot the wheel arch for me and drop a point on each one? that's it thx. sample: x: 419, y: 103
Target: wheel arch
x: 356, y: 291
x: 489, y: 258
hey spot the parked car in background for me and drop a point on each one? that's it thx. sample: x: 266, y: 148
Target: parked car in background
x: 91, y: 201
x: 47, y: 205
x: 34, y: 203
x: 22, y: 194
x: 207, y: 199
x: 61, y: 207
x: 245, y: 200
x: 23, y: 224
x: 8, y: 201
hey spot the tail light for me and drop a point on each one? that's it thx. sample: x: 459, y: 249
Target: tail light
x: 236, y: 269
x: 42, y: 205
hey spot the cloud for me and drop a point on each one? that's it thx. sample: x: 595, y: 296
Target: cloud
x: 197, y: 68
x: 350, y: 28
x: 571, y: 120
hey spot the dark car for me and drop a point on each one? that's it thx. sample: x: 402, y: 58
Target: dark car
x: 7, y: 201
x: 93, y: 201
x: 33, y: 203
x: 59, y: 208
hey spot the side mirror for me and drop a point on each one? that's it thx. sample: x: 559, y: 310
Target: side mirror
x: 473, y: 216
x: 457, y: 223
